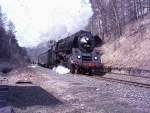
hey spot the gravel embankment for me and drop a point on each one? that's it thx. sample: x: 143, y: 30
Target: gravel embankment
x: 54, y: 93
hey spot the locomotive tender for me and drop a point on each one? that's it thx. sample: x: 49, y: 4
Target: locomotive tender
x: 77, y: 52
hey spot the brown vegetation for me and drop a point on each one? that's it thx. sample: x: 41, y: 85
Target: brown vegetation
x: 132, y: 49
x: 124, y: 25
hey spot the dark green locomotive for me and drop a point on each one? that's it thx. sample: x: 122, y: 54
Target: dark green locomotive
x: 77, y: 52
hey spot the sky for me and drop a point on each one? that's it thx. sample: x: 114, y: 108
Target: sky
x: 38, y: 21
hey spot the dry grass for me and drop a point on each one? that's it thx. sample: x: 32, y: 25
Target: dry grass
x: 132, y: 49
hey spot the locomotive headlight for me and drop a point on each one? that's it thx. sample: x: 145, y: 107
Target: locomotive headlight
x: 95, y: 58
x: 78, y: 56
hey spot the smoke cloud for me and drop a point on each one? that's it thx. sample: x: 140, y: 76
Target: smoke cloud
x: 39, y: 21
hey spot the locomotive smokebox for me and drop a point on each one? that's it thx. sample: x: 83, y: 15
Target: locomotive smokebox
x: 86, y: 42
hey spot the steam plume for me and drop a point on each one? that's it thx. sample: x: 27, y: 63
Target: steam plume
x: 61, y: 70
x: 38, y: 21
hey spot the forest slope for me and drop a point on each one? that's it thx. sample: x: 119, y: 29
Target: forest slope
x: 132, y: 49
x: 11, y: 54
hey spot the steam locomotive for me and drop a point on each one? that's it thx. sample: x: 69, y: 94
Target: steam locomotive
x: 77, y: 52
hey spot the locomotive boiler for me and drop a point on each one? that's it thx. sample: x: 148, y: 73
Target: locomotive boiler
x: 77, y: 52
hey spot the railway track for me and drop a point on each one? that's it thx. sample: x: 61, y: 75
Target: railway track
x: 134, y: 80
x: 136, y: 76
x: 125, y: 82
x: 137, y: 81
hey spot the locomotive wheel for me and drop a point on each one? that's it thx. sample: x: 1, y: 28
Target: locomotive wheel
x: 79, y: 70
x: 51, y: 67
x: 90, y: 71
x: 44, y: 65
x: 47, y: 66
x: 72, y: 69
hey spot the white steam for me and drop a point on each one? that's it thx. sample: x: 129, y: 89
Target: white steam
x: 38, y: 21
x: 61, y: 70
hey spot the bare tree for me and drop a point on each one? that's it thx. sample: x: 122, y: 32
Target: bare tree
x: 9, y: 48
x: 111, y: 16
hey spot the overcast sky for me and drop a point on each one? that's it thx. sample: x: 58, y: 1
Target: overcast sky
x: 38, y: 21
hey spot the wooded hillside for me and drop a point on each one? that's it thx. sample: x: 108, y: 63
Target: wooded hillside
x: 10, y: 51
x: 110, y: 16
